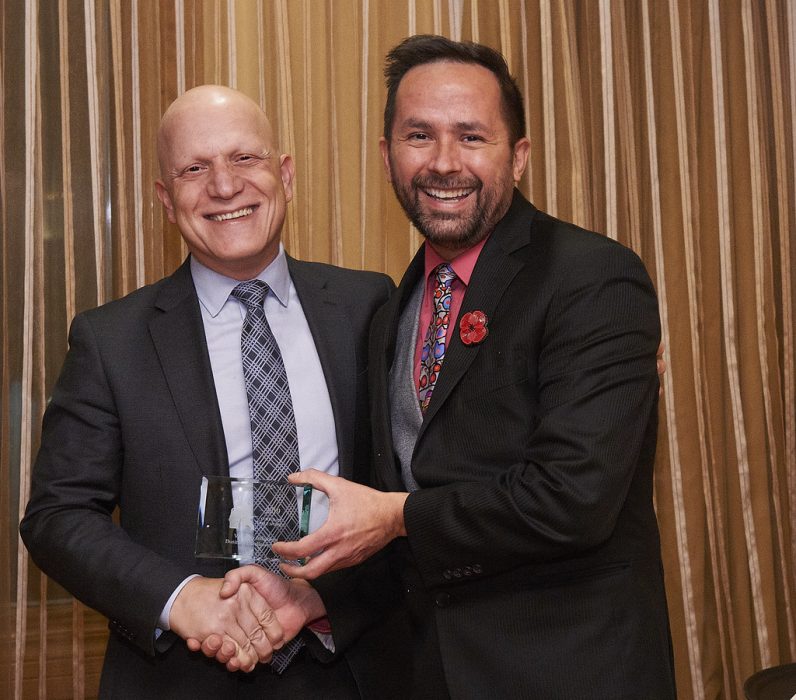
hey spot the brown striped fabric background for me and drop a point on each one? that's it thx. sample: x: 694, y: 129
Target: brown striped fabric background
x: 666, y: 124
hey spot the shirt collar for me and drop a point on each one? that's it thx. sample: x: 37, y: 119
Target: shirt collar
x: 463, y: 264
x: 213, y: 288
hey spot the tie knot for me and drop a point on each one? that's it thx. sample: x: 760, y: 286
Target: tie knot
x: 251, y: 293
x: 445, y: 275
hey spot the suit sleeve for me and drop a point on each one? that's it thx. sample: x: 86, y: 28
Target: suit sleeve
x: 575, y: 430
x: 69, y: 527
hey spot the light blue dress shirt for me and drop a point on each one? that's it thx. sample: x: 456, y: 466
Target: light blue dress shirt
x: 223, y: 316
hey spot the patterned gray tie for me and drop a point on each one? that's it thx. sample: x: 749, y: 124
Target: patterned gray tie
x: 274, y: 436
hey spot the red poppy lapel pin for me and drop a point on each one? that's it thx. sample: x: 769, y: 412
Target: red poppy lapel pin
x: 472, y: 327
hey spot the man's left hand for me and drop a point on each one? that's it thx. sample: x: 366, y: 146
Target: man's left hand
x: 361, y: 521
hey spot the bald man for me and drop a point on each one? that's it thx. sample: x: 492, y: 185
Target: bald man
x: 152, y: 397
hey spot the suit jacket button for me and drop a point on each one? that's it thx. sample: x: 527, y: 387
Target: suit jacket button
x: 447, y: 575
x: 442, y: 600
x: 467, y: 570
x: 477, y: 569
x: 457, y: 573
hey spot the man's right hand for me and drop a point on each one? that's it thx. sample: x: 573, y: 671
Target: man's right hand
x: 242, y: 623
x: 294, y: 602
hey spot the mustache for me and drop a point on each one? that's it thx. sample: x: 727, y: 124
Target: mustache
x: 445, y: 183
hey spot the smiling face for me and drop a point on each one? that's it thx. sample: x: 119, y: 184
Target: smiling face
x: 221, y: 182
x: 450, y: 158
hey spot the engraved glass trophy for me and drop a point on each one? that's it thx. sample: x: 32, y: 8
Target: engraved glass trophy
x: 225, y: 525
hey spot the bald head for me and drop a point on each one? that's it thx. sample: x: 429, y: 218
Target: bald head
x: 223, y: 183
x: 205, y: 102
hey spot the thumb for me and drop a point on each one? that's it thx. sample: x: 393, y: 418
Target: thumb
x: 232, y: 581
x: 317, y: 479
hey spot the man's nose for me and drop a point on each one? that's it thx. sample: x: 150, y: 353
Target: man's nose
x: 446, y: 157
x: 224, y: 183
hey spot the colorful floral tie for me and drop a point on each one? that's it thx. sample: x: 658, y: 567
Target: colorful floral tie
x: 433, y: 352
x: 274, y: 437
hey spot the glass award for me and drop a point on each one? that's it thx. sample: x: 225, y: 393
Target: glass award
x: 225, y: 524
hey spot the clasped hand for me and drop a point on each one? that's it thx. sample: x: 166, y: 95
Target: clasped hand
x: 243, y: 627
x: 243, y: 619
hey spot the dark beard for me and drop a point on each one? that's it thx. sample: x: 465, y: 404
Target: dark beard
x: 465, y: 232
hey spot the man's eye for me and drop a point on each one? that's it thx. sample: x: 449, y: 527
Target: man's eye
x: 418, y: 137
x: 472, y: 138
x: 193, y: 169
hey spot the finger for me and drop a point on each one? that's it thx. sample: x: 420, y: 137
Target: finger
x: 303, y: 548
x: 211, y: 646
x: 315, y: 566
x: 235, y: 577
x: 258, y: 619
x: 317, y: 479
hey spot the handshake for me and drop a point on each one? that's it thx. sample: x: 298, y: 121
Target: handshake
x: 250, y: 613
x: 242, y: 619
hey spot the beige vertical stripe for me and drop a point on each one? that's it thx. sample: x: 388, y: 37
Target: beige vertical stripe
x: 581, y: 209
x: 548, y: 106
x: 337, y: 203
x: 694, y: 651
x: 365, y: 126
x: 78, y: 646
x: 504, y: 17
x: 217, y: 45
x: 138, y: 195
x: 760, y: 219
x: 526, y: 88
x: 261, y: 54
x: 626, y: 167
x: 786, y: 255
x: 121, y: 130
x: 413, y: 238
x: 306, y: 198
x: 715, y: 534
x: 437, y: 12
x: 26, y: 409
x: 609, y: 125
x: 232, y: 54
x: 455, y: 18
x: 474, y: 20
x: 179, y: 31
x: 66, y: 158
x: 729, y: 318
x: 286, y: 124
x: 94, y: 146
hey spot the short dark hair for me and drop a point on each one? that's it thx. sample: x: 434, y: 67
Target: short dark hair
x: 429, y: 48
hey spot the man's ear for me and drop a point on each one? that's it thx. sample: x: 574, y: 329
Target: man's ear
x: 384, y: 147
x: 165, y: 200
x: 287, y: 170
x: 522, y: 150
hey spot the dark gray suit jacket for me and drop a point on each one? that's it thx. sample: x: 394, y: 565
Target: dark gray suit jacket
x: 532, y: 562
x: 134, y: 423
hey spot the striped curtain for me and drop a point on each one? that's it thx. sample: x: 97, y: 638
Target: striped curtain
x: 666, y: 124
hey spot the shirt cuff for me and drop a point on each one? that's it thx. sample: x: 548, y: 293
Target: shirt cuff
x: 163, y: 620
x: 323, y: 631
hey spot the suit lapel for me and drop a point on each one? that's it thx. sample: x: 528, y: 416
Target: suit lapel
x: 493, y: 273
x: 333, y: 338
x: 179, y: 339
